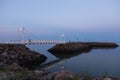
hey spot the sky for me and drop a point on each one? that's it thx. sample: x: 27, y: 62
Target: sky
x: 54, y: 17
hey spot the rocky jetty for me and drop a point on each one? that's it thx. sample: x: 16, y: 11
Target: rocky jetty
x: 81, y: 46
x: 20, y: 54
x: 101, y: 44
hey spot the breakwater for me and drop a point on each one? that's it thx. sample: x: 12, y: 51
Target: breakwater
x: 81, y: 46
x: 21, y: 55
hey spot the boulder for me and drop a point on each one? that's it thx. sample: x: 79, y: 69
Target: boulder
x: 66, y: 75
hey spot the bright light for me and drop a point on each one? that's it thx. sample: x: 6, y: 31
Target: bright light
x: 21, y: 29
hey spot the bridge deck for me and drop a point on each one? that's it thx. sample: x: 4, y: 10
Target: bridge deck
x: 35, y: 42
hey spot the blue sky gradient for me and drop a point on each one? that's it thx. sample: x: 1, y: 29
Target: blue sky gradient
x: 53, y: 17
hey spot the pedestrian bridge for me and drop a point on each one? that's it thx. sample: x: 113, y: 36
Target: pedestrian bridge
x: 22, y: 40
x: 30, y: 42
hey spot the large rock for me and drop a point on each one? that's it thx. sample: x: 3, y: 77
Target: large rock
x: 20, y: 54
x: 81, y: 46
x: 66, y: 75
x: 70, y: 48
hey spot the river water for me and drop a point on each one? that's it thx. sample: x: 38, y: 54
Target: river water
x: 97, y: 62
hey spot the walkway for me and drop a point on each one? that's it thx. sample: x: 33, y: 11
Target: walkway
x: 30, y: 42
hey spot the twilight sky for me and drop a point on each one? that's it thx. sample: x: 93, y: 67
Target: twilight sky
x: 44, y: 17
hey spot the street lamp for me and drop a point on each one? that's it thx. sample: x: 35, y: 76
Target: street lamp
x: 21, y: 30
x: 62, y: 37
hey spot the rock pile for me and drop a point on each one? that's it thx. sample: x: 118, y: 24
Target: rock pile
x: 20, y: 54
x: 81, y: 46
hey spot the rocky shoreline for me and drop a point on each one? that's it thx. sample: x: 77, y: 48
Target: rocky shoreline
x: 17, y: 62
x: 81, y: 46
x: 21, y: 55
x: 10, y: 73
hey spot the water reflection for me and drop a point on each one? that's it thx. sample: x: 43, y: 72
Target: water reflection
x: 61, y: 57
x: 64, y: 55
x: 51, y: 64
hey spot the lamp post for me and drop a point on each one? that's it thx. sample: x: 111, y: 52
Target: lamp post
x: 62, y: 37
x: 21, y: 30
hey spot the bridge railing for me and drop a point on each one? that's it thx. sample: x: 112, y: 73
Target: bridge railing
x: 35, y: 42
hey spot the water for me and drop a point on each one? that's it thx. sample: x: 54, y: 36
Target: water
x: 97, y: 62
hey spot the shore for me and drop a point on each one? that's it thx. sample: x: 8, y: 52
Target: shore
x: 11, y: 73
x: 17, y: 62
x: 21, y: 55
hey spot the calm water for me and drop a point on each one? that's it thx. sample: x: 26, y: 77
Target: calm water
x: 97, y: 62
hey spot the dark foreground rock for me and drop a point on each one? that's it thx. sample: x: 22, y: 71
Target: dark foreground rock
x: 20, y: 54
x: 81, y: 46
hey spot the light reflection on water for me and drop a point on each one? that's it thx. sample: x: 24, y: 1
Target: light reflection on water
x: 96, y: 62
